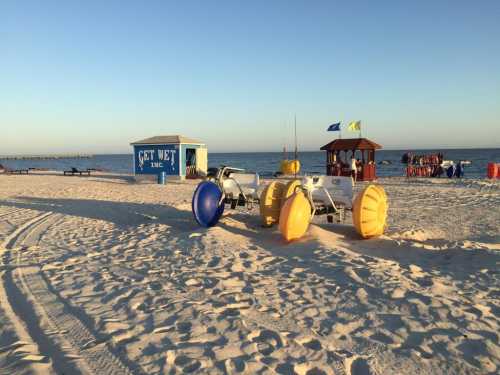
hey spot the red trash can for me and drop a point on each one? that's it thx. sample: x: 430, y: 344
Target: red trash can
x: 492, y: 170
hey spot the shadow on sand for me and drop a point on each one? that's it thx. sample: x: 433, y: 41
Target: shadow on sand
x: 449, y: 259
x: 122, y: 214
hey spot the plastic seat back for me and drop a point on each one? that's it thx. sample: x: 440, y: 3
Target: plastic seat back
x: 249, y: 183
x: 340, y: 189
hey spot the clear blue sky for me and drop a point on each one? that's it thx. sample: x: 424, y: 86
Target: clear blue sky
x: 92, y: 76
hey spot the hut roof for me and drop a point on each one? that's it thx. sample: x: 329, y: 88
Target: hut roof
x: 167, y: 139
x: 351, y: 144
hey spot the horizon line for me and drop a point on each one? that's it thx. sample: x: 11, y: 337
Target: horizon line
x: 88, y: 154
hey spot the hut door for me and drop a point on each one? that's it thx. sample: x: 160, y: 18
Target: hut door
x: 190, y: 162
x: 201, y: 161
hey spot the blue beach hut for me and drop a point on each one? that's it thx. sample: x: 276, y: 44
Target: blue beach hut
x: 179, y: 157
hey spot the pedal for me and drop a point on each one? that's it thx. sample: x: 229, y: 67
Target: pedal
x: 233, y: 204
x: 241, y: 201
x: 341, y: 217
x: 329, y: 218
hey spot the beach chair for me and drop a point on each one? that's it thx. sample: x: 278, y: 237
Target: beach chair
x: 74, y: 171
x: 16, y: 171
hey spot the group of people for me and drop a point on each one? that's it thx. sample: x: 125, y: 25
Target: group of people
x: 430, y: 165
x: 435, y: 170
x: 455, y: 170
x: 424, y: 171
x: 430, y: 159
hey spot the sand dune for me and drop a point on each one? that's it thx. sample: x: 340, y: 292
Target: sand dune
x: 102, y: 276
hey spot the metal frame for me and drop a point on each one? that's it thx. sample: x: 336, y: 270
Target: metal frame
x: 340, y: 211
x: 219, y: 180
x: 224, y: 172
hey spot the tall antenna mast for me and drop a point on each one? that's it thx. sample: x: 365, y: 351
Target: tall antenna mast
x: 295, y: 156
x: 295, y: 136
x: 285, y: 155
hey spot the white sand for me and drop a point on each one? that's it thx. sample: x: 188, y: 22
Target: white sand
x: 103, y: 276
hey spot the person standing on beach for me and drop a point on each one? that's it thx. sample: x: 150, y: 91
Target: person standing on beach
x: 353, y: 168
x: 459, y: 172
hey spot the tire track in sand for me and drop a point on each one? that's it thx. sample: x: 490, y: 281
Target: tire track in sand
x: 50, y: 333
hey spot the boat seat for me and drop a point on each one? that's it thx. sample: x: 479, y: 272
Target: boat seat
x: 249, y: 183
x: 340, y: 189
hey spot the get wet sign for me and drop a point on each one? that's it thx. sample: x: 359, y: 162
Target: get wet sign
x: 154, y: 159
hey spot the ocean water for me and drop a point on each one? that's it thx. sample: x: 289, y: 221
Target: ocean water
x: 266, y: 163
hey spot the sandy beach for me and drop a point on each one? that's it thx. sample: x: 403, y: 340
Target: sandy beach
x: 101, y: 275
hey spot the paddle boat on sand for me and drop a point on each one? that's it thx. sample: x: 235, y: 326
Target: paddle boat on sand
x: 292, y: 205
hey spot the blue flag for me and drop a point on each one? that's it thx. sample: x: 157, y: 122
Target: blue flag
x: 334, y: 127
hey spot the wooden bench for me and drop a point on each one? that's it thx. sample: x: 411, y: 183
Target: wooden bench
x: 74, y: 171
x: 17, y: 171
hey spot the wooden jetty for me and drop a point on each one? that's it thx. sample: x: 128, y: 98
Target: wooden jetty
x: 46, y: 157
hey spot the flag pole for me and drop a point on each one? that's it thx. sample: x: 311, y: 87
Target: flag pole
x: 295, y: 169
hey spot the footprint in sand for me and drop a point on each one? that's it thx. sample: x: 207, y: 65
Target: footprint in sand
x: 309, y: 368
x: 113, y: 325
x: 183, y: 327
x: 187, y: 364
x: 382, y: 338
x: 357, y: 366
x: 235, y: 366
x: 193, y: 282
x: 213, y: 262
x: 234, y: 284
x: 267, y: 340
x: 309, y: 343
x: 398, y: 293
x: 477, y: 353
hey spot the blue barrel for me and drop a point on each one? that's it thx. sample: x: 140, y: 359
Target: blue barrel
x: 162, y: 178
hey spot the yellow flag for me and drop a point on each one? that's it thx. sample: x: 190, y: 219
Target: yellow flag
x: 354, y: 126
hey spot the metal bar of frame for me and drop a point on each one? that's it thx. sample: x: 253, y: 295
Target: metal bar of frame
x: 220, y: 176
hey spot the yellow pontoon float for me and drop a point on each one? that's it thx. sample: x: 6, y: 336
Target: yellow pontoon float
x: 290, y: 167
x: 324, y: 195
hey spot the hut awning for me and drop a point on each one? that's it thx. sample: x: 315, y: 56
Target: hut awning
x: 351, y: 144
x: 167, y: 139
